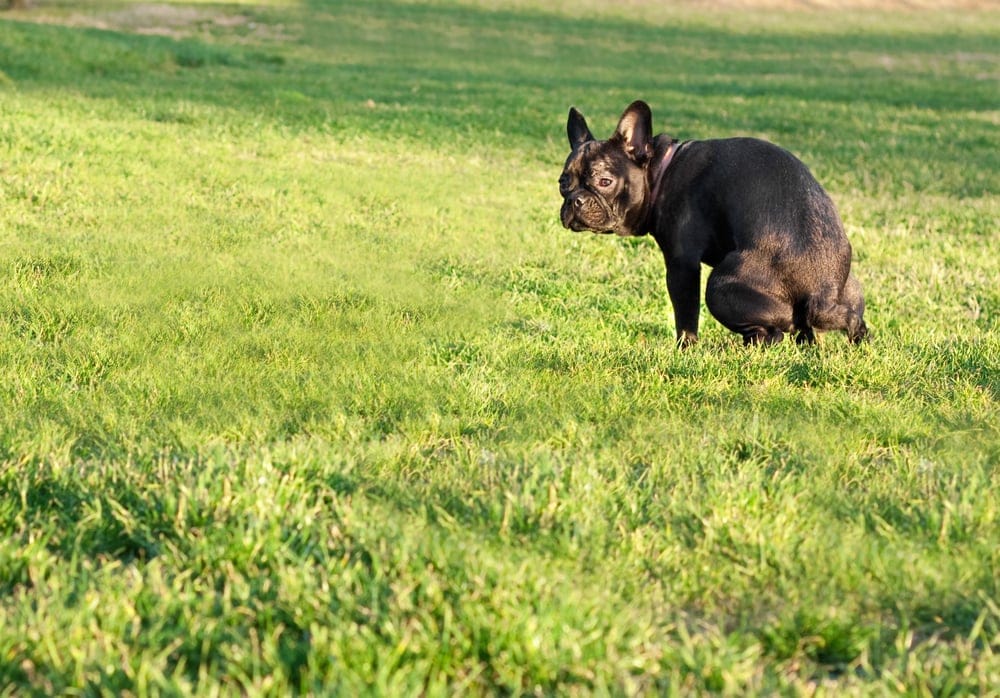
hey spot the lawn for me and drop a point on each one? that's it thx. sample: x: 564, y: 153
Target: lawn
x: 303, y: 388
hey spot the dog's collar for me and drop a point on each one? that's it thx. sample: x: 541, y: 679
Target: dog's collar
x: 661, y: 169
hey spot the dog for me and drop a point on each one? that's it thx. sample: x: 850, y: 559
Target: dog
x: 746, y: 207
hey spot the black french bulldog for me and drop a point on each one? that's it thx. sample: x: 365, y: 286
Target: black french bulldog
x: 746, y: 207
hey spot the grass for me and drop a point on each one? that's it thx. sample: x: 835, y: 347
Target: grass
x: 303, y: 388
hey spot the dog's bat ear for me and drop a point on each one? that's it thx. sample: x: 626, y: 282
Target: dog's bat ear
x: 577, y: 130
x: 635, y: 131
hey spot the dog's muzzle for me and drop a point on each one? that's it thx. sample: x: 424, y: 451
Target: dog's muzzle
x: 568, y: 215
x: 585, y: 212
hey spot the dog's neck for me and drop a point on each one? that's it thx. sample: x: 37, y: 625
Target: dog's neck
x: 658, y: 168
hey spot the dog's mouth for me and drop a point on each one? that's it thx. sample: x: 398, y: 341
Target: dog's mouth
x: 578, y: 227
x: 585, y: 215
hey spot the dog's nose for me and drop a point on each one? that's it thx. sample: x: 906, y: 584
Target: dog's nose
x: 578, y: 202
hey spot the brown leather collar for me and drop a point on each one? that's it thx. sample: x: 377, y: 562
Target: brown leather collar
x: 661, y: 169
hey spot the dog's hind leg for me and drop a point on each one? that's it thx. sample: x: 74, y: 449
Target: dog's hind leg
x: 746, y: 302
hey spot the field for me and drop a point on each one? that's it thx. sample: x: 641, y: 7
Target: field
x: 304, y: 388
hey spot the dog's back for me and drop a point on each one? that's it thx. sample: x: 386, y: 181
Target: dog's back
x: 771, y: 232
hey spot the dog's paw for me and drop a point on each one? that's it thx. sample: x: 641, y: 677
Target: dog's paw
x: 686, y: 338
x: 858, y: 332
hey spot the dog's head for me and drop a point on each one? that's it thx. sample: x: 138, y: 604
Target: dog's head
x: 604, y: 184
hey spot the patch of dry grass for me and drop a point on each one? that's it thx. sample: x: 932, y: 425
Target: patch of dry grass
x: 171, y: 19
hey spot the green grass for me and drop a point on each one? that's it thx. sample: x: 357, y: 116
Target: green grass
x: 303, y: 387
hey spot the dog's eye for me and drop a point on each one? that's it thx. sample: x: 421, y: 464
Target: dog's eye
x: 604, y: 182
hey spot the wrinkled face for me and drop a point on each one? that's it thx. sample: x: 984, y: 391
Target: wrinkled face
x: 603, y: 190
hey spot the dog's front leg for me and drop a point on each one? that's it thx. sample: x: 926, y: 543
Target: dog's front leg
x: 684, y: 287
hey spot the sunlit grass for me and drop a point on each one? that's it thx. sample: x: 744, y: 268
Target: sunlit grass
x: 303, y: 387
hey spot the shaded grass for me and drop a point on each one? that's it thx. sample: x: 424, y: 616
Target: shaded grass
x: 303, y: 387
